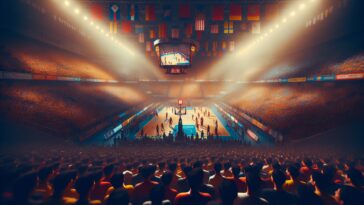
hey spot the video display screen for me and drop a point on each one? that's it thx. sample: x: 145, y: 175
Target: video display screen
x: 175, y: 55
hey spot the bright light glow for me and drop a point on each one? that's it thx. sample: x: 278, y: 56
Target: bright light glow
x: 284, y: 20
x: 302, y: 6
x: 293, y: 13
x: 97, y: 27
x: 277, y: 25
x: 85, y: 18
x: 77, y: 11
x: 271, y: 30
x: 67, y: 3
x: 92, y: 23
x: 102, y: 31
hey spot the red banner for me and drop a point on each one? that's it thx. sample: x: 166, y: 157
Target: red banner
x: 126, y: 26
x: 184, y: 11
x: 217, y: 12
x: 235, y: 12
x: 97, y: 12
x: 150, y: 13
x: 254, y: 12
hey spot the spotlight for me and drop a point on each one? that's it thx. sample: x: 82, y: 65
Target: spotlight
x: 67, y: 3
x: 284, y: 20
x: 293, y: 13
x: 271, y: 30
x: 77, y: 11
x: 85, y: 18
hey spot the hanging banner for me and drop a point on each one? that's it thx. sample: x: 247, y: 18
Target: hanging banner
x: 217, y: 12
x: 235, y: 12
x: 254, y: 12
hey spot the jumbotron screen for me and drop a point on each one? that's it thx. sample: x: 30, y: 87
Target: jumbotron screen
x: 175, y: 55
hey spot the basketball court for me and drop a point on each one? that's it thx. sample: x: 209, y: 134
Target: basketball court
x: 190, y: 127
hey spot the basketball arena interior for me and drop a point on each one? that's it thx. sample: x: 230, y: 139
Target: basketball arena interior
x: 218, y: 102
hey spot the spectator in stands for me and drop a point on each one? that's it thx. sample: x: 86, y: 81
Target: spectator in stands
x: 226, y: 172
x: 108, y: 171
x: 356, y: 178
x: 194, y: 196
x: 228, y: 192
x: 349, y: 195
x: 161, y: 169
x: 117, y: 182
x: 278, y: 196
x: 44, y: 187
x: 83, y: 187
x: 182, y: 184
x: 60, y: 183
x: 157, y: 196
x: 118, y: 197
x: 217, y: 178
x: 252, y: 196
x: 322, y: 186
x: 292, y: 184
x: 239, y: 182
x: 142, y: 190
x: 23, y: 188
x: 169, y: 193
x: 138, y: 177
x: 173, y: 169
x: 100, y: 188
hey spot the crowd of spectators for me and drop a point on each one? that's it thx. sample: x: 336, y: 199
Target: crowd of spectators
x: 179, y: 174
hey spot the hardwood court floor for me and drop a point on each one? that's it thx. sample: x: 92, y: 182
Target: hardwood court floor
x: 150, y: 128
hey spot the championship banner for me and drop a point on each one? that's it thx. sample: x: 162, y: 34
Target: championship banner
x: 228, y: 27
x: 126, y: 26
x: 200, y: 22
x: 132, y: 12
x: 114, y: 17
x: 254, y: 12
x: 162, y: 30
x: 235, y: 12
x: 271, y: 12
x: 217, y: 12
x: 214, y: 28
x: 150, y: 13
x: 255, y: 27
x: 184, y: 11
x: 96, y: 11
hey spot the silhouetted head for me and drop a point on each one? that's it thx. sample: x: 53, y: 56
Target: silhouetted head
x: 195, y: 179
x: 228, y: 191
x: 118, y: 197
x: 117, y: 180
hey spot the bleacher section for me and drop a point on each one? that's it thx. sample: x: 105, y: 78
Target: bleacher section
x: 301, y: 110
x: 65, y: 109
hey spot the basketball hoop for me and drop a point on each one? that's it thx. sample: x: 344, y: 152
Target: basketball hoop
x: 180, y: 110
